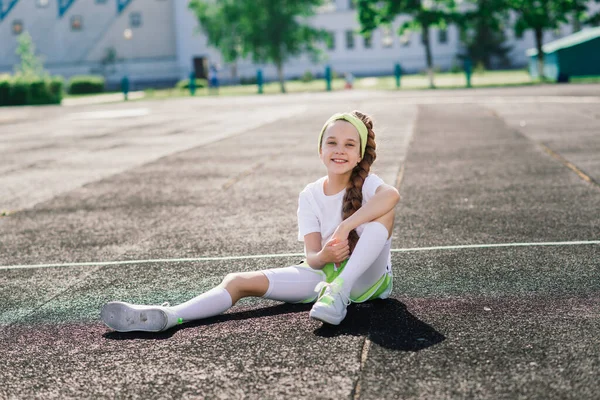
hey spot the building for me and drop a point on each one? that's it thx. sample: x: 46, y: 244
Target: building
x: 574, y: 55
x: 157, y: 42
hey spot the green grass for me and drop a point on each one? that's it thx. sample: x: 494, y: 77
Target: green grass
x: 77, y: 96
x: 417, y: 81
x: 586, y: 79
x: 445, y: 80
x: 448, y: 80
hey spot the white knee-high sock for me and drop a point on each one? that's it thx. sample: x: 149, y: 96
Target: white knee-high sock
x: 367, y: 249
x: 214, y: 302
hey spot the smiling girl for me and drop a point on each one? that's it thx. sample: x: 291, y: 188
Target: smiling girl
x: 345, y: 220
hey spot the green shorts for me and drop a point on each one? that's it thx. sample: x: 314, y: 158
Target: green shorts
x: 380, y: 290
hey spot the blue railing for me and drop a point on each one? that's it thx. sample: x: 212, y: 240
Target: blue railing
x: 63, y: 6
x: 121, y: 4
x: 4, y: 11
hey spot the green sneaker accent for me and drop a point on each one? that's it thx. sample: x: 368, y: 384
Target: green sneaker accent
x: 331, y: 274
x: 326, y: 300
x: 179, y: 320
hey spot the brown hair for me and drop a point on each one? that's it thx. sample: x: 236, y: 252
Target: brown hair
x: 353, y: 197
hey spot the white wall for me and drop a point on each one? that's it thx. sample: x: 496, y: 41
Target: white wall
x: 164, y: 47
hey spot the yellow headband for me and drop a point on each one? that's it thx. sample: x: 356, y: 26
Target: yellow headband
x: 358, y: 124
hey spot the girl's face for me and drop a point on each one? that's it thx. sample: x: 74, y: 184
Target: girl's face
x: 340, y: 148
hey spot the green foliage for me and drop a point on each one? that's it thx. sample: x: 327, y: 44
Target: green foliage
x: 18, y: 90
x: 482, y: 32
x: 248, y: 80
x: 542, y: 15
x: 30, y: 65
x: 268, y: 31
x: 5, y: 88
x: 593, y: 20
x: 185, y: 84
x: 86, y: 84
x: 307, y: 76
x: 31, y: 84
x: 425, y: 14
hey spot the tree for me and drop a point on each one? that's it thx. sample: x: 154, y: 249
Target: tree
x: 269, y: 31
x: 426, y: 14
x: 543, y: 15
x: 482, y: 32
x: 30, y: 66
x: 218, y: 22
x: 593, y: 20
x: 107, y: 63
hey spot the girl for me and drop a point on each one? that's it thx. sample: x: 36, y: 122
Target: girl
x: 345, y: 220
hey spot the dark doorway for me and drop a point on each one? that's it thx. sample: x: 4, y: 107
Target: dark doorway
x: 201, y: 67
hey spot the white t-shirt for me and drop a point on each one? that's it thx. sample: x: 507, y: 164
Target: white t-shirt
x: 320, y: 213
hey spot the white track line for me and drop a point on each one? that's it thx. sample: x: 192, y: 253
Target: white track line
x: 172, y: 260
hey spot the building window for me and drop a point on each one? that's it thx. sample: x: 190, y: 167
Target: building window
x: 351, y: 4
x: 349, y: 39
x: 368, y: 42
x: 76, y: 23
x: 17, y: 27
x: 519, y: 35
x: 442, y: 36
x: 387, y: 40
x: 135, y: 19
x: 42, y: 3
x: 405, y: 39
x: 331, y: 41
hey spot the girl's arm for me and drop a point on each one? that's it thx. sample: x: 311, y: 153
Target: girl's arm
x: 385, y: 199
x: 333, y: 251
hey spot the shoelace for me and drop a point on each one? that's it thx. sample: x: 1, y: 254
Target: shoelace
x: 331, y: 289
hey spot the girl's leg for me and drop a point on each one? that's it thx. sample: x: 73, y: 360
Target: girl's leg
x: 331, y: 306
x: 373, y: 273
x: 368, y: 249
x: 291, y: 284
x: 217, y: 300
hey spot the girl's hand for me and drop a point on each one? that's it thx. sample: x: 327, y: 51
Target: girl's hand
x: 341, y: 233
x: 335, y: 251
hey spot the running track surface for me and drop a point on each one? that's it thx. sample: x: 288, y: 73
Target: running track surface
x: 216, y: 179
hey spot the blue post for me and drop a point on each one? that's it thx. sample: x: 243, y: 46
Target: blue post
x: 192, y: 84
x: 397, y: 74
x: 328, y: 77
x: 468, y: 68
x: 125, y: 86
x: 259, y: 80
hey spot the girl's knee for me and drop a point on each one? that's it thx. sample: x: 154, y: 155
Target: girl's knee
x: 242, y: 284
x: 230, y: 279
x: 387, y: 220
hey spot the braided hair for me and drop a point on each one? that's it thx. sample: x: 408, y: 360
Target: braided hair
x: 353, y: 197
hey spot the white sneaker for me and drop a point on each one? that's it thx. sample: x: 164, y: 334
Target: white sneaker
x: 331, y: 304
x: 125, y: 317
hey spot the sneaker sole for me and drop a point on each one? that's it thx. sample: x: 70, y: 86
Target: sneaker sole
x: 323, y: 317
x: 123, y: 317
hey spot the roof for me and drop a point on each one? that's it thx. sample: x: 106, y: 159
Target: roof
x: 568, y: 41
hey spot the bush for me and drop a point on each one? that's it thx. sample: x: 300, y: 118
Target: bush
x: 86, y: 84
x: 456, y: 68
x: 185, y: 84
x: 4, y: 91
x: 248, y: 80
x: 307, y: 77
x: 20, y: 91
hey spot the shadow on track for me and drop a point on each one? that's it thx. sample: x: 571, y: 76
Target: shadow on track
x: 385, y: 322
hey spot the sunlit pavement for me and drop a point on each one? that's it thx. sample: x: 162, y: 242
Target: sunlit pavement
x: 154, y: 181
